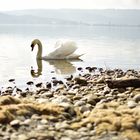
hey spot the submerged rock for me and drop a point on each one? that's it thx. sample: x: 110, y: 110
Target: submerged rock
x: 11, y: 80
x: 30, y: 83
x: 81, y: 81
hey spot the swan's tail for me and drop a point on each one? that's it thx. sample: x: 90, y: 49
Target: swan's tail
x: 74, y: 56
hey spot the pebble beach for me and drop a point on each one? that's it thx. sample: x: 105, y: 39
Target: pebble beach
x: 80, y: 107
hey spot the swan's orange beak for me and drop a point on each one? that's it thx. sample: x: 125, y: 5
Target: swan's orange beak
x: 32, y: 47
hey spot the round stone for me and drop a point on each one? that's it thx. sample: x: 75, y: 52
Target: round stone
x: 15, y: 123
x: 131, y: 104
x: 137, y: 98
x: 79, y: 103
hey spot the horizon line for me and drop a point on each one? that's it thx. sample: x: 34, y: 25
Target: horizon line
x: 69, y: 9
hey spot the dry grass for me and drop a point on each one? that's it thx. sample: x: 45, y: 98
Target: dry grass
x: 10, y: 108
x: 113, y: 117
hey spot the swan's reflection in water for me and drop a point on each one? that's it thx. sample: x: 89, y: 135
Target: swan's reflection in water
x: 37, y: 73
x: 63, y: 67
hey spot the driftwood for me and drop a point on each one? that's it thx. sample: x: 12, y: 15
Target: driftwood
x: 123, y: 83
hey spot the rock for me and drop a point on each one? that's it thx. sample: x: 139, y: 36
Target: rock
x: 30, y: 83
x: 41, y: 127
x: 79, y: 68
x: 86, y: 113
x: 131, y: 104
x: 15, y: 123
x: 121, y: 90
x: 11, y: 80
x: 77, y: 97
x: 61, y: 125
x: 55, y: 82
x: 127, y: 125
x: 81, y: 81
x: 71, y: 133
x: 6, y: 137
x: 69, y: 78
x: 106, y: 90
x: 121, y: 95
x: 39, y: 85
x: 93, y: 99
x: 79, y: 103
x: 76, y: 86
x: 84, y: 109
x: 23, y: 94
x: 66, y: 138
x: 72, y: 92
x: 137, y: 98
x: 60, y: 99
x: 22, y: 137
x: 100, y: 70
x: 18, y: 90
x: 36, y: 117
x: 14, y: 136
x: 42, y: 100
x: 101, y: 80
x: 43, y: 121
x: 91, y: 68
x: 48, y: 85
x: 138, y: 125
x: 47, y: 94
x: 60, y: 87
x: 26, y: 122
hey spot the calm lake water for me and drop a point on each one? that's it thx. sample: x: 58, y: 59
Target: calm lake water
x: 107, y: 47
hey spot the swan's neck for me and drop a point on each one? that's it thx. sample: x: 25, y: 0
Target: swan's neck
x: 39, y: 53
x: 39, y: 70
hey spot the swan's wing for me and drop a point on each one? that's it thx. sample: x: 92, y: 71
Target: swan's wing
x: 58, y: 44
x: 64, y: 49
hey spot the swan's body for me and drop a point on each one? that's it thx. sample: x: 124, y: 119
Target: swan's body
x: 62, y: 50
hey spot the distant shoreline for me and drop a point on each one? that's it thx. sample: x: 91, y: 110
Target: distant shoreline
x: 86, y: 25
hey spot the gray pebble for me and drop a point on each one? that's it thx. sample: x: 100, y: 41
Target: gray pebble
x: 60, y: 99
x: 26, y: 122
x: 41, y: 127
x: 131, y: 104
x: 72, y: 92
x: 42, y: 100
x: 47, y: 94
x: 22, y: 137
x: 137, y: 98
x: 44, y: 121
x: 66, y: 138
x: 84, y: 109
x: 62, y: 125
x: 79, y: 103
x: 15, y: 123
x: 80, y: 81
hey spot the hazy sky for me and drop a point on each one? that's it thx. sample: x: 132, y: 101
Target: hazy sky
x: 57, y: 4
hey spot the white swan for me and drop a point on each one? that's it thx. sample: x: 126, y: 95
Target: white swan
x: 62, y: 50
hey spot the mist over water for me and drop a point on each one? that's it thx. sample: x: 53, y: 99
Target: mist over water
x: 103, y: 46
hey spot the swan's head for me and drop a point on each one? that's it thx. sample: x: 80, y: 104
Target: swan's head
x: 34, y: 42
x: 33, y: 45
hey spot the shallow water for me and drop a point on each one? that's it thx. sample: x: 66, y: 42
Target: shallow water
x: 107, y: 47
